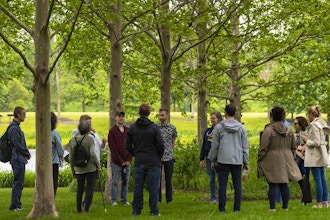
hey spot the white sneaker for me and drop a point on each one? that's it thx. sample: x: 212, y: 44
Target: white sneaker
x: 126, y: 203
x: 114, y: 203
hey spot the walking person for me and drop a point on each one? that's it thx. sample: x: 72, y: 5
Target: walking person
x: 120, y: 159
x: 145, y: 143
x: 276, y: 158
x: 20, y: 156
x: 169, y: 136
x: 205, y: 149
x: 57, y: 151
x: 87, y: 173
x: 316, y: 154
x: 300, y: 124
x: 229, y: 151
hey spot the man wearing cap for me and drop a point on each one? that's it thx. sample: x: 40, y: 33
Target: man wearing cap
x: 229, y: 151
x: 120, y: 159
x: 145, y: 143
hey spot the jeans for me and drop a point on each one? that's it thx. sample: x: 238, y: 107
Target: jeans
x: 118, y: 172
x: 321, y: 185
x: 90, y: 178
x: 236, y: 172
x: 211, y: 173
x: 274, y: 192
x: 168, y: 171
x: 18, y: 184
x: 55, y: 178
x: 152, y: 175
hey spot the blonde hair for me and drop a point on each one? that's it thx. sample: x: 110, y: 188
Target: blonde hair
x: 315, y: 110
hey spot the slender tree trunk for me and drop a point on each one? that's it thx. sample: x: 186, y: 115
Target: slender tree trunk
x: 166, y: 69
x: 44, y: 204
x: 58, y: 89
x: 202, y: 90
x: 235, y: 76
x: 115, y: 89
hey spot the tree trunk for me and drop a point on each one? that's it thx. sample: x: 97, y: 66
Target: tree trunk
x: 58, y: 89
x: 234, y: 74
x: 115, y: 89
x: 166, y: 69
x: 44, y: 203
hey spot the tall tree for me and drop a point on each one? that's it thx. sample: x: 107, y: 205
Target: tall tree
x: 44, y: 203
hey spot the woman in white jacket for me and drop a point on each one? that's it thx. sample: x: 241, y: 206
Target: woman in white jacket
x: 316, y: 155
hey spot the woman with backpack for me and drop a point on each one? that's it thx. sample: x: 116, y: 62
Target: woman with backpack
x: 85, y: 171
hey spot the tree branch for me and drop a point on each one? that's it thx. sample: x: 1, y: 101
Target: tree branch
x: 17, y: 50
x: 16, y: 20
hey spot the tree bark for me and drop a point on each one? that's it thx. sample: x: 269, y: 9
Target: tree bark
x: 44, y: 204
x: 166, y: 69
x: 115, y: 88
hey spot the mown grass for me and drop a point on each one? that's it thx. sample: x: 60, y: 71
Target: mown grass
x: 186, y: 205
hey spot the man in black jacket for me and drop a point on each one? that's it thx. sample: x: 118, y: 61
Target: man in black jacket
x: 145, y: 143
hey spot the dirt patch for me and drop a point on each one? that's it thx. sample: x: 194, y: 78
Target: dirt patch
x: 67, y: 121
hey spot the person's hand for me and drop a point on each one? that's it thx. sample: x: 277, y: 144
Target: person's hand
x: 201, y: 164
x: 247, y: 168
x: 214, y: 166
x: 300, y: 148
x: 305, y: 138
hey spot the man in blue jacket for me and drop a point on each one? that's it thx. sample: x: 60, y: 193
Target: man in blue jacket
x: 20, y: 157
x: 229, y: 151
x: 145, y: 143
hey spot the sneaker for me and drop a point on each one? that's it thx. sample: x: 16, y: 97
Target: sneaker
x: 155, y: 214
x: 125, y: 203
x: 213, y: 201
x: 317, y: 206
x: 18, y: 209
x: 114, y: 203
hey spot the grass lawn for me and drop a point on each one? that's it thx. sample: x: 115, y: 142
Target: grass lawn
x: 186, y: 205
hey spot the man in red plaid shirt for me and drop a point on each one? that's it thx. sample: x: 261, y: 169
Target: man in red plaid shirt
x: 120, y: 159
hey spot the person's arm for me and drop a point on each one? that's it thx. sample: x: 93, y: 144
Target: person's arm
x: 18, y: 141
x: 246, y: 148
x: 128, y: 142
x: 264, y: 143
x: 213, y: 154
x: 58, y: 145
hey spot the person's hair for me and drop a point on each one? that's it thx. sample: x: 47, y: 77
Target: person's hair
x: 84, y: 127
x: 230, y: 110
x: 164, y: 110
x: 302, y: 122
x: 53, y: 120
x: 17, y: 111
x: 217, y: 114
x: 277, y: 113
x: 84, y: 118
x: 315, y: 111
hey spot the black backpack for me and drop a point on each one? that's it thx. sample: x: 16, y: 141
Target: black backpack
x: 81, y: 156
x: 5, y: 147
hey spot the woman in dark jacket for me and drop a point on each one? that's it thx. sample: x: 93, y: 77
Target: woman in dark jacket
x: 300, y: 124
x: 207, y: 140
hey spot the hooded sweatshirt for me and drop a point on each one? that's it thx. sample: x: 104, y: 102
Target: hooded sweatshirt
x: 229, y: 143
x: 145, y: 143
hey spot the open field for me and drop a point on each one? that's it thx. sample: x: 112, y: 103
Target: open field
x: 186, y: 126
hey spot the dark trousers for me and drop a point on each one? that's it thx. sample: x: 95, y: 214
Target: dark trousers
x: 273, y: 193
x: 151, y: 174
x: 223, y: 172
x: 90, y: 178
x: 168, y: 171
x: 55, y: 178
x: 18, y: 183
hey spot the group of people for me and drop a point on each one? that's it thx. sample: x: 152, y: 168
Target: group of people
x: 283, y: 156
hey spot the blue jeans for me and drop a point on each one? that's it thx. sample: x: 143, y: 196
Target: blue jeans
x: 152, y: 175
x: 168, y: 171
x: 236, y: 172
x: 273, y: 194
x: 18, y: 184
x: 211, y: 175
x: 321, y: 185
x: 118, y: 172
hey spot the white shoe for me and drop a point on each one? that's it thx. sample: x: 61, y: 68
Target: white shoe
x: 114, y: 203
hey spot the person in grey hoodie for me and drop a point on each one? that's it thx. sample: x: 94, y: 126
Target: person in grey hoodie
x: 145, y: 143
x: 229, y: 151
